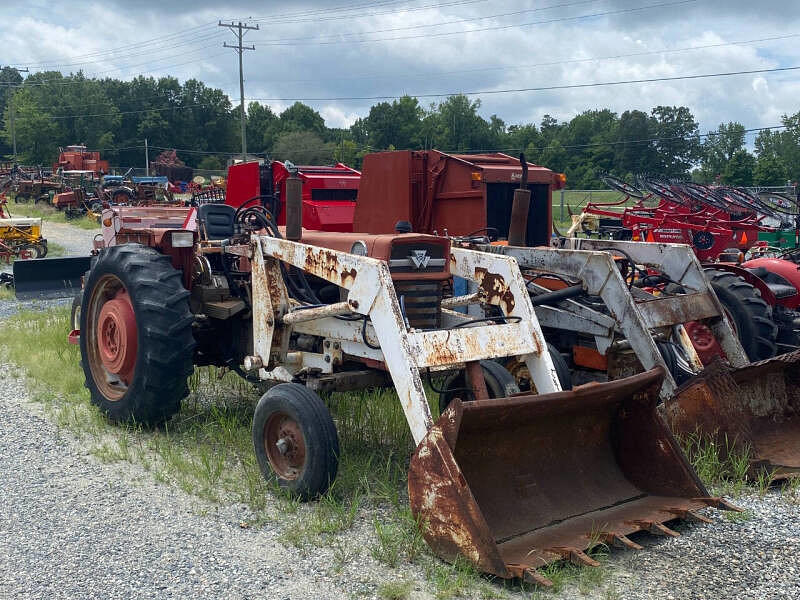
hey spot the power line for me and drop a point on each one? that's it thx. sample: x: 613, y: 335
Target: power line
x: 458, y: 21
x: 315, y: 42
x: 139, y: 44
x: 532, y: 89
x: 196, y: 40
x: 353, y: 11
x: 554, y: 62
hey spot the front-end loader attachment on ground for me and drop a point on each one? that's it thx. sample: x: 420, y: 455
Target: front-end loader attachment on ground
x: 515, y: 483
x: 753, y: 410
x: 50, y: 277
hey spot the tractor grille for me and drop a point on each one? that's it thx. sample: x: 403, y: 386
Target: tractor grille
x: 418, y: 258
x: 420, y: 302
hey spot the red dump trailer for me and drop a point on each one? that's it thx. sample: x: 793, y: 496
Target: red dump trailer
x: 459, y: 193
x: 329, y: 192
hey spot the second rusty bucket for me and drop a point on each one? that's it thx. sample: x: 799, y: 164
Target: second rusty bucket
x: 515, y: 483
x: 753, y: 410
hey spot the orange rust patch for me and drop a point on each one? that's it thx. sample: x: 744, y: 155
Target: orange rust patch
x: 348, y: 277
x: 495, y: 288
x: 323, y: 263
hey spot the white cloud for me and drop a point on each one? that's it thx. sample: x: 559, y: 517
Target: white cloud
x: 488, y: 60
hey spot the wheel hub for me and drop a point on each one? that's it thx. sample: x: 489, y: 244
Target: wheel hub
x: 285, y: 445
x: 116, y: 336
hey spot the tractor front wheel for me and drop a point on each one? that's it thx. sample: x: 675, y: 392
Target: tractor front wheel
x: 500, y: 383
x: 136, y: 335
x: 749, y: 314
x: 295, y: 440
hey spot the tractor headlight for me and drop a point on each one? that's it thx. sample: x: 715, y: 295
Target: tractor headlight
x: 182, y: 239
x: 359, y: 248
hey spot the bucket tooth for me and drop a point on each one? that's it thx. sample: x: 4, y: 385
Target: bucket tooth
x: 719, y: 504
x: 688, y: 515
x: 618, y: 540
x: 536, y: 578
x: 574, y: 555
x: 656, y: 528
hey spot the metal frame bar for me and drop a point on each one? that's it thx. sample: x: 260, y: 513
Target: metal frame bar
x: 370, y: 292
x: 591, y: 262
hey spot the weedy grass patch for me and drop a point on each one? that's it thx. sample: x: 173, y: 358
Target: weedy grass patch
x: 49, y: 214
x: 721, y: 465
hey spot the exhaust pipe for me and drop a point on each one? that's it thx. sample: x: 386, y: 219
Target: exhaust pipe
x: 517, y: 231
x: 294, y: 207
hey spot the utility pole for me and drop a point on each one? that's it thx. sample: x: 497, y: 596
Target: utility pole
x: 146, y: 160
x: 11, y: 114
x: 239, y: 30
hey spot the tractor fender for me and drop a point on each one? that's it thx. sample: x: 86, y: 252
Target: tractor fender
x: 742, y: 272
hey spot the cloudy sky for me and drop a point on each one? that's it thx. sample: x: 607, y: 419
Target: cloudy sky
x: 331, y: 54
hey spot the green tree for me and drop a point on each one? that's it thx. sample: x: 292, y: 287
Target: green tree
x: 739, y: 169
x: 35, y: 129
x: 397, y: 124
x: 769, y: 170
x: 261, y: 125
x: 300, y: 117
x: 303, y: 147
x: 719, y: 149
x: 634, y: 151
x: 678, y: 145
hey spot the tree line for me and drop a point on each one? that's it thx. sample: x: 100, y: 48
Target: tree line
x: 50, y: 109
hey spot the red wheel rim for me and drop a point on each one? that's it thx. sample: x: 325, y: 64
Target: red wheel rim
x: 111, y: 337
x: 116, y: 336
x: 285, y: 445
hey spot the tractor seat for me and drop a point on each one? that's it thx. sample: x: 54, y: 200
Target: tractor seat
x: 781, y: 290
x: 216, y: 221
x: 776, y: 284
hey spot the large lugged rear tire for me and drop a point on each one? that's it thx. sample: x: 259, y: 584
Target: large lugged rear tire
x: 751, y: 315
x: 136, y: 335
x: 295, y: 440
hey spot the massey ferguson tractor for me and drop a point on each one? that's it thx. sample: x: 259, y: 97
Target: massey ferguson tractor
x: 509, y: 481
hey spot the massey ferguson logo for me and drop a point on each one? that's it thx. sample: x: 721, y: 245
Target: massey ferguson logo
x: 419, y: 258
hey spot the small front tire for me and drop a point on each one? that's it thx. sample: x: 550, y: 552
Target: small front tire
x: 295, y: 440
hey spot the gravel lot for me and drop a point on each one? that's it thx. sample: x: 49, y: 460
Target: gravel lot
x: 73, y: 527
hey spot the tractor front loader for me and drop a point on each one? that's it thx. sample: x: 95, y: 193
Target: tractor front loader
x: 509, y: 481
x: 752, y: 408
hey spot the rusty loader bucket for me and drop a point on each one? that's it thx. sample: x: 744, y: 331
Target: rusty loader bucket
x: 515, y: 483
x: 753, y: 409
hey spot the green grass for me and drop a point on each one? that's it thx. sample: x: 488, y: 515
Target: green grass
x: 6, y: 293
x: 49, y: 214
x: 575, y: 201
x: 721, y: 465
x: 395, y: 590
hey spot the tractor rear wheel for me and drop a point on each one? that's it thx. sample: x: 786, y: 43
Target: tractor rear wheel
x: 295, y: 440
x: 749, y: 314
x: 500, y: 383
x: 136, y: 335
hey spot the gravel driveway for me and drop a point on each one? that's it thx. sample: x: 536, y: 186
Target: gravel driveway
x: 73, y: 527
